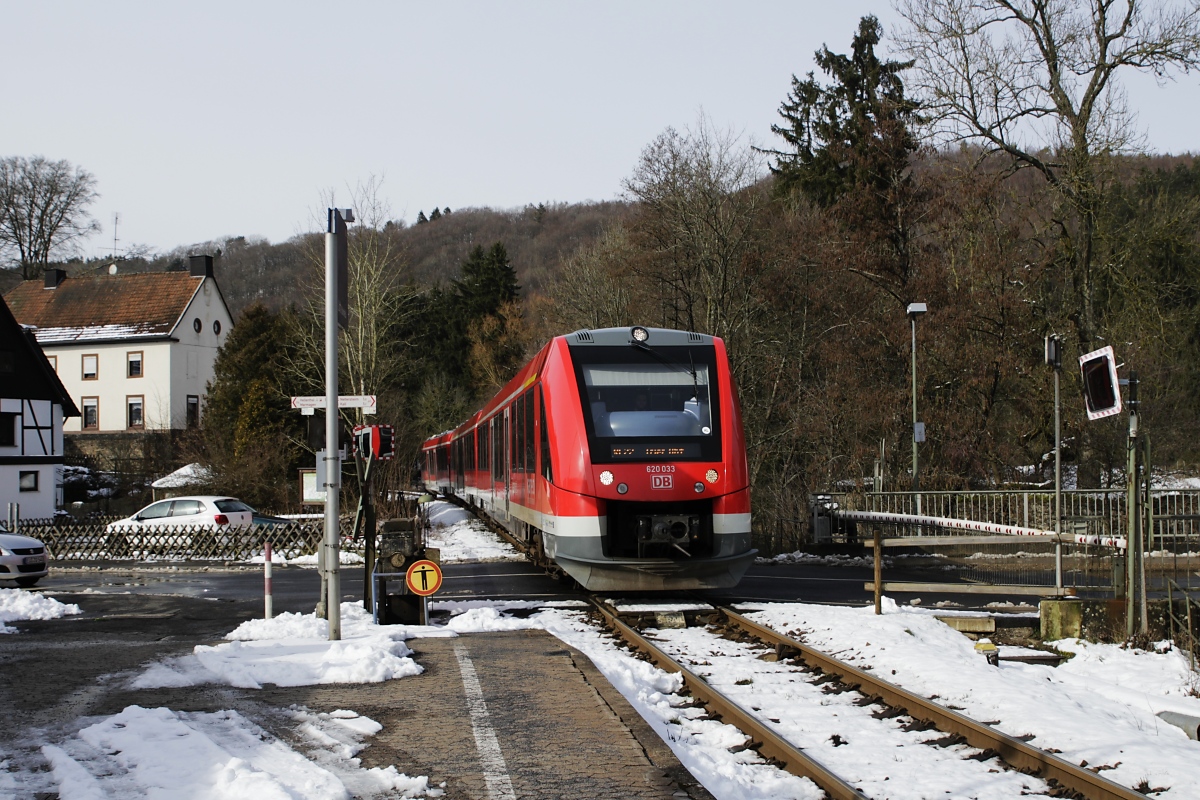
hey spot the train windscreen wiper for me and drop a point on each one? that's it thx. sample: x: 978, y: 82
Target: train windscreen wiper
x: 689, y: 369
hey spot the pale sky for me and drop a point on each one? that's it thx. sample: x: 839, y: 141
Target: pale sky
x: 215, y: 119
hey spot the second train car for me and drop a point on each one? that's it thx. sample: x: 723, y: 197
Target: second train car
x: 619, y: 455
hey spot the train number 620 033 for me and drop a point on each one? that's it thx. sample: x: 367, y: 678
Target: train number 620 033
x: 660, y: 468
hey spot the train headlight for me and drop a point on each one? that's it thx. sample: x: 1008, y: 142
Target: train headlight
x: 606, y: 478
x: 622, y: 488
x: 711, y: 476
x: 639, y: 333
x: 699, y: 487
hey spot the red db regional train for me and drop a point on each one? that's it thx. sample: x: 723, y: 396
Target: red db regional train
x: 618, y: 454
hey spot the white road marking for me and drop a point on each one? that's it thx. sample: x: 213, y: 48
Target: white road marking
x: 495, y: 771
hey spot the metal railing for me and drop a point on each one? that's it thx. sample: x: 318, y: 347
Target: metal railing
x: 1091, y: 516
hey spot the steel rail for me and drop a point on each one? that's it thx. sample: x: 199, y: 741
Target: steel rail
x: 764, y: 740
x: 1013, y: 751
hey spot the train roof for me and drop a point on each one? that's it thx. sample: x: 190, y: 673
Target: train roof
x: 610, y: 337
x: 602, y: 337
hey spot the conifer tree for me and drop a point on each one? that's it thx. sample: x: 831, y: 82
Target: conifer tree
x: 856, y: 131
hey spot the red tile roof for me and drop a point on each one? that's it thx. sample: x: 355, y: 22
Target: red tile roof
x: 94, y: 307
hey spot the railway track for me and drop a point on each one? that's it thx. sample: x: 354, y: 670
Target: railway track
x: 1062, y: 778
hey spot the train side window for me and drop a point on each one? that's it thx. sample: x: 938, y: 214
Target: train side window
x: 514, y: 437
x: 547, y: 470
x: 497, y: 448
x: 530, y: 443
x: 519, y: 437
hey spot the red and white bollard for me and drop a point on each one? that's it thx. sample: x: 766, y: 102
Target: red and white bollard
x: 267, y: 580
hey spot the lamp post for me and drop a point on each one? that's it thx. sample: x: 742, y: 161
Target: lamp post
x: 1054, y: 361
x: 918, y: 435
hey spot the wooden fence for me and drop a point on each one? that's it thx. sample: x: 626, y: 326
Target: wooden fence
x: 95, y: 540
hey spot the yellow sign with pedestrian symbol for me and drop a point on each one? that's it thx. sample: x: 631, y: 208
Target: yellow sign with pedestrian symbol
x: 424, y: 577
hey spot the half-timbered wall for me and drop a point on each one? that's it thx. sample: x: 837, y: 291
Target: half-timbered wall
x: 31, y: 466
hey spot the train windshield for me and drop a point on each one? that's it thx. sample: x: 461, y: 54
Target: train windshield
x: 644, y: 405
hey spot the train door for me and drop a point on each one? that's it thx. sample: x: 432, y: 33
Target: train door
x: 495, y: 456
x: 507, y: 463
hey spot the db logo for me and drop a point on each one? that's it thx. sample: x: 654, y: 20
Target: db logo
x: 660, y: 482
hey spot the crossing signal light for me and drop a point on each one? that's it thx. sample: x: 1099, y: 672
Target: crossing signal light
x: 1101, y: 390
x: 375, y: 441
x: 385, y: 442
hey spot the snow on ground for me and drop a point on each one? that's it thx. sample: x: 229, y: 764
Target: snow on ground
x: 162, y: 752
x: 461, y: 537
x: 830, y: 560
x: 882, y: 758
x: 345, y: 557
x: 157, y: 752
x: 703, y: 745
x: 18, y: 604
x: 1099, y: 707
x: 294, y: 650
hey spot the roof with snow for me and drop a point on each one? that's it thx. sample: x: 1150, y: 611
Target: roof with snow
x: 190, y: 475
x: 104, y: 307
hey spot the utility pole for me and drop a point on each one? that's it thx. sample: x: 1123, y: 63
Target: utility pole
x: 1102, y: 396
x: 918, y: 433
x: 336, y: 316
x: 1135, y: 609
x: 1054, y: 360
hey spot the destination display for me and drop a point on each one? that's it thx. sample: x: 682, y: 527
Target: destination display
x: 654, y: 452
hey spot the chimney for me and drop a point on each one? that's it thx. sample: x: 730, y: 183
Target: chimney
x: 54, y: 277
x: 201, y: 266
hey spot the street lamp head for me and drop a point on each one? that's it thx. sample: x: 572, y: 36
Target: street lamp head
x: 916, y: 309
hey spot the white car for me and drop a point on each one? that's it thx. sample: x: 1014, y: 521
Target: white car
x: 207, y: 511
x: 22, y: 559
x: 168, y: 525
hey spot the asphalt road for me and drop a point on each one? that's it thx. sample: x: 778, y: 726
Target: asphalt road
x: 297, y: 589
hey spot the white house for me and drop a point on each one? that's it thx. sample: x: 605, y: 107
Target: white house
x: 33, y: 403
x: 134, y: 350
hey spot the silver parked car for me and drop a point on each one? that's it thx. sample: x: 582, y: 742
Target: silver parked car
x: 22, y: 559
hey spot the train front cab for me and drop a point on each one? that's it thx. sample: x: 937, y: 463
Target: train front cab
x: 652, y: 490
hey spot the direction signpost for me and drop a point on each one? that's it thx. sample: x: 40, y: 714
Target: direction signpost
x: 306, y: 403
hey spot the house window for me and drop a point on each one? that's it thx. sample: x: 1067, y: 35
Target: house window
x: 217, y: 327
x: 90, y: 367
x: 91, y: 413
x: 197, y: 325
x: 8, y: 430
x: 133, y: 363
x: 134, y: 417
x: 29, y: 480
x: 53, y: 362
x: 193, y: 411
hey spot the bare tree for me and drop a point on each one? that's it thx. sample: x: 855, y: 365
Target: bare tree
x: 1037, y: 79
x: 43, y: 210
x: 594, y: 290
x: 699, y: 221
x: 380, y: 304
